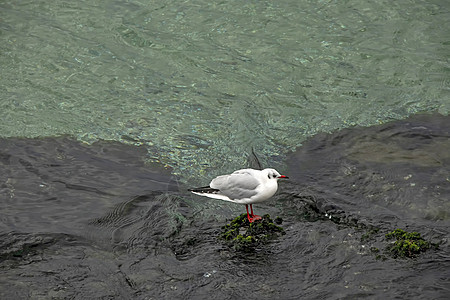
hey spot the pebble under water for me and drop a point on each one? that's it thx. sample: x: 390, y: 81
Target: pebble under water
x: 94, y: 221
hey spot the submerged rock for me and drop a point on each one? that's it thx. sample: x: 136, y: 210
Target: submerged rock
x: 407, y: 244
x: 245, y: 236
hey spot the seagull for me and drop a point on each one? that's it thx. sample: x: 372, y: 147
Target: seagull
x: 246, y: 186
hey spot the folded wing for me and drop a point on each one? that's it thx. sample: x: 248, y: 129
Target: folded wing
x: 239, y: 185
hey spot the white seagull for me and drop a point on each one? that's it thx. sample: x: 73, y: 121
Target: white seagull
x: 246, y: 186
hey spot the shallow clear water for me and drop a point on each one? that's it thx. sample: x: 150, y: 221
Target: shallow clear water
x: 204, y: 82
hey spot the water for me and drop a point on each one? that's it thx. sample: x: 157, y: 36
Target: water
x: 183, y: 91
x: 93, y: 221
x: 204, y: 82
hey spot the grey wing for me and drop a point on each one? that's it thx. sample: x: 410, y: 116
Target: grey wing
x: 236, y: 186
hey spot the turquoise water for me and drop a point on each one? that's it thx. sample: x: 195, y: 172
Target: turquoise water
x: 200, y: 83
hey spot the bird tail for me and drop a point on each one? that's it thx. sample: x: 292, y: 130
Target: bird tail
x: 210, y: 192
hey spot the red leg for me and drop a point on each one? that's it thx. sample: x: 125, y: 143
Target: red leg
x: 248, y: 215
x: 253, y: 216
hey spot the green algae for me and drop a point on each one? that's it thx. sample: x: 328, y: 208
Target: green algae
x: 396, y: 244
x: 242, y: 235
x: 407, y: 244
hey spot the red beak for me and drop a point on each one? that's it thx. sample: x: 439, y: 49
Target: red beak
x: 282, y: 176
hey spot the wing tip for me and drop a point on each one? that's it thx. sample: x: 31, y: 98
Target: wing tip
x: 204, y: 190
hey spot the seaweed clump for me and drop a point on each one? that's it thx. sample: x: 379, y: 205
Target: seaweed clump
x: 245, y: 236
x: 407, y: 244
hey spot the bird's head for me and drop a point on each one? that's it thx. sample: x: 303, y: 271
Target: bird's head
x: 273, y: 174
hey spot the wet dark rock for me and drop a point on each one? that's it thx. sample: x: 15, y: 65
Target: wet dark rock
x: 245, y: 236
x: 21, y: 247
